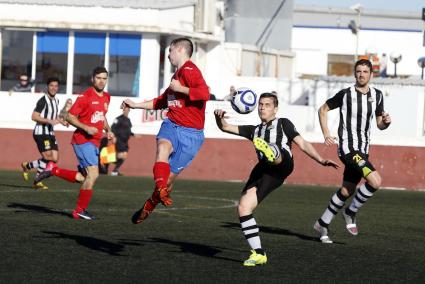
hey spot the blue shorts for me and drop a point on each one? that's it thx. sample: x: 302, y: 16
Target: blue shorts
x: 186, y: 144
x: 87, y: 154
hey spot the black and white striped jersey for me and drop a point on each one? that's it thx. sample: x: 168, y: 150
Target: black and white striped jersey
x: 48, y: 108
x: 356, y: 111
x: 280, y: 131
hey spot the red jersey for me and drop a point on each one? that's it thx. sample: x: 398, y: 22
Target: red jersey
x: 186, y: 110
x: 91, y: 110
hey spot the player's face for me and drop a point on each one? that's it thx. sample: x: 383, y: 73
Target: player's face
x: 266, y: 109
x: 99, y: 81
x: 175, y: 55
x: 53, y: 88
x: 362, y: 75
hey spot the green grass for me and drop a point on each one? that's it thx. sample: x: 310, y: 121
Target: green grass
x: 198, y: 240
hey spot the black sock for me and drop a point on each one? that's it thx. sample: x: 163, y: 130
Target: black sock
x: 260, y: 251
x: 118, y: 164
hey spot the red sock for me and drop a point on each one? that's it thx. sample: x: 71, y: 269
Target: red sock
x: 65, y: 174
x: 83, y: 199
x: 161, y: 172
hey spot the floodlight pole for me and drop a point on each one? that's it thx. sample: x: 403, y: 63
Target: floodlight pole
x: 357, y: 34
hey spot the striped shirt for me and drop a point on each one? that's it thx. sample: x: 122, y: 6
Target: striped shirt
x: 356, y: 111
x: 280, y: 131
x: 49, y: 109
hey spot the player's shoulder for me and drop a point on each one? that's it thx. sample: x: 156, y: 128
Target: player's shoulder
x: 376, y: 90
x: 346, y: 90
x: 189, y: 67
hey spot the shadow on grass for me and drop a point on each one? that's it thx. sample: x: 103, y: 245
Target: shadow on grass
x: 90, y: 242
x: 36, y: 209
x: 186, y: 247
x: 15, y: 185
x: 277, y: 231
x: 197, y: 249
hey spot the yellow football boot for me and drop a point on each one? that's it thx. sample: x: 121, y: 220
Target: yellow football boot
x: 39, y: 185
x: 255, y: 259
x: 264, y: 148
x: 24, y: 171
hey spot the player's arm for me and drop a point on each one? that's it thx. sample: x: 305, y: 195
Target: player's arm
x: 323, y: 119
x: 194, y: 85
x: 74, y: 121
x: 383, y: 121
x: 108, y: 129
x: 309, y: 149
x: 36, y: 116
x: 220, y: 119
x: 142, y: 105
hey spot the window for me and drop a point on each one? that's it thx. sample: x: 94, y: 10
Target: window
x: 52, y: 58
x: 124, y: 69
x: 89, y: 53
x: 17, y: 56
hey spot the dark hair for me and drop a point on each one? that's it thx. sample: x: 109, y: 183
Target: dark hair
x: 184, y: 42
x: 98, y: 70
x: 52, y: 79
x: 272, y: 96
x: 363, y: 62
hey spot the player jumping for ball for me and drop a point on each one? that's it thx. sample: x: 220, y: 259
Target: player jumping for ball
x: 272, y: 140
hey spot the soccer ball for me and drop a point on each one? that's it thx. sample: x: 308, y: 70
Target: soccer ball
x: 244, y: 100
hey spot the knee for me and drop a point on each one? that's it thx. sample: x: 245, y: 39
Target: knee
x: 376, y: 181
x: 92, y: 177
x: 347, y: 192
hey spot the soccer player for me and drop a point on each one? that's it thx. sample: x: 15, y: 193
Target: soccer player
x: 45, y: 115
x: 121, y: 127
x: 357, y: 105
x: 88, y: 115
x: 181, y: 134
x: 272, y: 140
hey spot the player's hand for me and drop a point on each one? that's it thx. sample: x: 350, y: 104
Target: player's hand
x: 329, y: 163
x: 91, y: 130
x: 219, y: 113
x: 386, y: 118
x: 53, y: 122
x: 129, y: 103
x: 330, y: 140
x: 175, y: 85
x: 110, y: 135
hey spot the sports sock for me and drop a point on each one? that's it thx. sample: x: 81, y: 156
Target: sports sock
x: 118, y: 164
x: 250, y: 231
x: 83, y: 199
x: 152, y: 201
x: 42, y: 163
x: 32, y: 165
x: 364, y: 192
x: 65, y: 174
x: 336, y: 202
x: 161, y: 172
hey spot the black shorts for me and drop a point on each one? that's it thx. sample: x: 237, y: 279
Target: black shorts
x: 267, y: 177
x: 121, y: 146
x: 357, y: 166
x: 45, y: 142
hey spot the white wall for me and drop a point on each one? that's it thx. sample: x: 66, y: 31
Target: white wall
x: 405, y: 104
x: 312, y: 45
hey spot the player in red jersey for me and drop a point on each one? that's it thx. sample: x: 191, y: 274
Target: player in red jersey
x: 88, y: 115
x: 181, y: 134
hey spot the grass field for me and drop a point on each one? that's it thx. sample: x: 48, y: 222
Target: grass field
x: 198, y: 240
